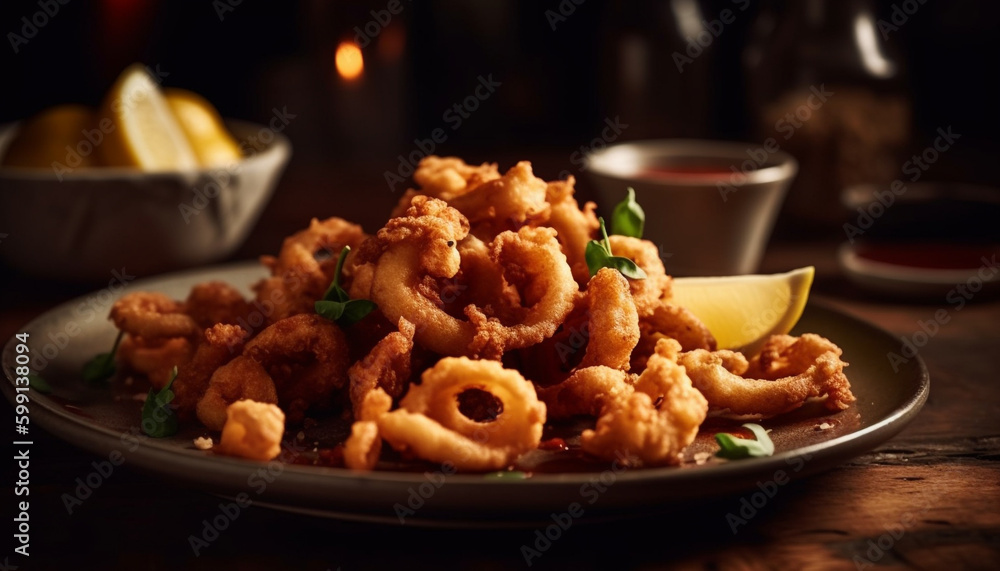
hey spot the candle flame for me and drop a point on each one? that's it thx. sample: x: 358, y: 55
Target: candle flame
x: 350, y: 62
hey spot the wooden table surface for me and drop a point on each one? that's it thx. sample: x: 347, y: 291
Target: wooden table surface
x: 927, y: 499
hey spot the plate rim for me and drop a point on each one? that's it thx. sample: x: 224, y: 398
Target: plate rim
x: 151, y: 455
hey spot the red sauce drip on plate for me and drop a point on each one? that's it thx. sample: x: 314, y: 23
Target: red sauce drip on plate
x: 553, y: 444
x: 929, y: 255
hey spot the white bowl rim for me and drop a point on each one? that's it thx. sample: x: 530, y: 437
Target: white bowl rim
x: 780, y: 165
x: 851, y: 262
x: 278, y: 147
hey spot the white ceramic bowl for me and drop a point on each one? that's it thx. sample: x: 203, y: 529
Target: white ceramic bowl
x: 94, y: 222
x: 713, y: 222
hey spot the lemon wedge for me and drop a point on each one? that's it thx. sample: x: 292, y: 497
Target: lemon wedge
x: 43, y: 139
x: 202, y: 125
x: 144, y: 132
x: 743, y: 311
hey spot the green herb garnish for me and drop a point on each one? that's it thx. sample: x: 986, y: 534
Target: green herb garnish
x: 734, y: 448
x: 337, y: 305
x: 37, y: 383
x: 507, y: 475
x: 598, y: 254
x: 158, y: 419
x: 628, y: 218
x: 102, y: 366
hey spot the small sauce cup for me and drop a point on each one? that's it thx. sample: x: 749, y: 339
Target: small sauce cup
x: 710, y: 205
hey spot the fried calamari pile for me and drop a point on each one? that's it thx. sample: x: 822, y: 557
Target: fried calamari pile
x: 489, y: 323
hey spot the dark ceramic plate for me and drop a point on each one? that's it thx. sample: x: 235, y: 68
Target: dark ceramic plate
x: 105, y: 421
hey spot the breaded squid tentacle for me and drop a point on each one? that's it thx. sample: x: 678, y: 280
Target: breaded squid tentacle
x: 811, y: 364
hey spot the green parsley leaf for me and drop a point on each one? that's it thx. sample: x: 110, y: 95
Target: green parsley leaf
x: 102, y: 366
x: 37, y: 383
x: 598, y: 255
x: 507, y: 475
x: 158, y: 418
x: 337, y: 305
x: 734, y: 448
x: 628, y: 218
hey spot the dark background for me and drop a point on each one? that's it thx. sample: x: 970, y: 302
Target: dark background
x: 559, y: 85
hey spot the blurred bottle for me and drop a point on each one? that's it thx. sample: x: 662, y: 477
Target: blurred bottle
x: 656, y: 66
x: 826, y: 87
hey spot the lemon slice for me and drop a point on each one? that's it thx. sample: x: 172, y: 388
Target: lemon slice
x: 742, y: 311
x: 202, y: 125
x: 56, y: 135
x: 144, y: 132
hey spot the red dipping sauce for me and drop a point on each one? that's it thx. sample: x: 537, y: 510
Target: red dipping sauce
x: 929, y: 255
x: 703, y: 172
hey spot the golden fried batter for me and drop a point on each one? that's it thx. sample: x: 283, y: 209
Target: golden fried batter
x: 220, y: 344
x: 307, y: 358
x: 152, y: 316
x: 386, y: 367
x: 811, y: 366
x: 241, y: 378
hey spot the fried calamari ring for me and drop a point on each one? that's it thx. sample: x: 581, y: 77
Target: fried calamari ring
x: 507, y: 203
x: 153, y: 315
x: 670, y: 321
x: 586, y: 392
x: 534, y: 263
x: 614, y: 321
x: 654, y: 424
x: 611, y: 334
x: 307, y: 357
x: 449, y: 177
x: 430, y: 425
x: 445, y: 178
x: 216, y: 302
x: 423, y: 243
x: 363, y: 447
x: 386, y: 368
x: 648, y: 293
x: 811, y: 364
x: 220, y: 344
x: 156, y: 360
x: 241, y: 378
x: 575, y: 227
x: 480, y: 281
x: 299, y: 278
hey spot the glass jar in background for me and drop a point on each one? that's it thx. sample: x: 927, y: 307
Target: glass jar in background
x: 824, y: 84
